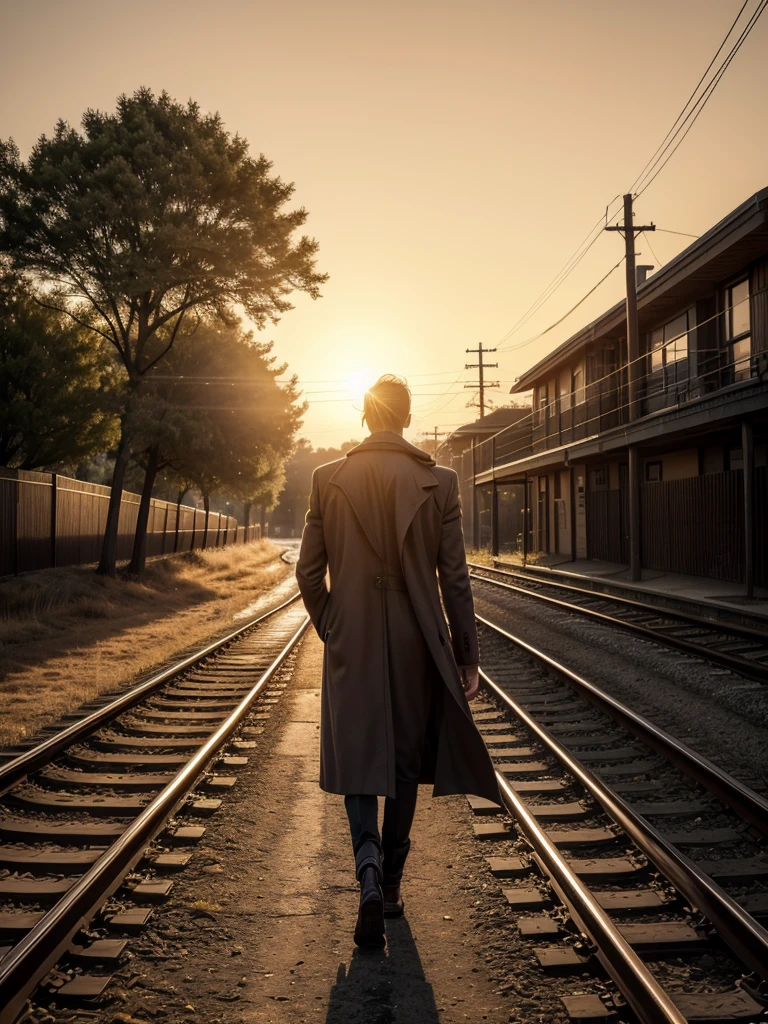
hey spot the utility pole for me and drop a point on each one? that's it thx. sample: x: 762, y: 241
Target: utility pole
x: 435, y: 434
x: 481, y: 367
x: 629, y: 231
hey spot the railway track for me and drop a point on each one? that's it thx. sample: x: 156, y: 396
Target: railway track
x: 657, y: 855
x: 95, y: 818
x: 739, y: 648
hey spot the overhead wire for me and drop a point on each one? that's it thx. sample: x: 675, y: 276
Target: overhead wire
x: 574, y: 260
x: 690, y: 98
x: 648, y: 174
x: 676, y: 135
x: 565, y: 316
x: 658, y: 261
x: 684, y: 234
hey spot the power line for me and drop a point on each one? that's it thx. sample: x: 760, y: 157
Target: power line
x: 652, y: 165
x: 557, y: 323
x: 431, y: 407
x: 684, y: 234
x: 677, y: 139
x: 645, y: 236
x: 690, y: 98
x: 578, y: 255
x: 196, y: 378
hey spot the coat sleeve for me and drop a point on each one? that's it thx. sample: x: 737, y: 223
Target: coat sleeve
x: 454, y: 581
x: 313, y: 562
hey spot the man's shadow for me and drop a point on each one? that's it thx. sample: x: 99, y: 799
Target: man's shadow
x: 384, y: 986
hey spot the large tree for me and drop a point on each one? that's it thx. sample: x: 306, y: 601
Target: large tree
x: 58, y: 391
x: 215, y: 414
x: 143, y: 218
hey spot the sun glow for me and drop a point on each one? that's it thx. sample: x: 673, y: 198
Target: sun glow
x: 358, y: 381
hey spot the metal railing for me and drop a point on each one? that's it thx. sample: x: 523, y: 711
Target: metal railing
x: 606, y: 405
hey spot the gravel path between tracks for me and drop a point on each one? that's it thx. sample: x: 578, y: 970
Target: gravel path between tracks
x: 259, y: 927
x: 67, y: 635
x: 718, y: 713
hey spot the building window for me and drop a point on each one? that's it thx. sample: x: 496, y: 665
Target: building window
x: 599, y: 479
x: 578, y: 385
x: 738, y: 330
x: 653, y: 472
x: 668, y: 347
x: 566, y: 386
x: 540, y: 410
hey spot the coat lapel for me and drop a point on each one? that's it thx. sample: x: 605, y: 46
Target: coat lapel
x: 359, y: 506
x: 410, y: 497
x: 414, y: 486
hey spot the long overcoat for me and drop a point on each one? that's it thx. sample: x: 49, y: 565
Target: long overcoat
x: 387, y: 487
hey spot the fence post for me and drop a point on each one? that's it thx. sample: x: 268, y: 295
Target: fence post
x: 748, y: 472
x: 165, y: 527
x: 16, y: 527
x: 54, y: 500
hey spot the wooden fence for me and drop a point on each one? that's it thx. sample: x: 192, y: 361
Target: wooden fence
x: 48, y: 520
x: 608, y: 525
x: 695, y: 525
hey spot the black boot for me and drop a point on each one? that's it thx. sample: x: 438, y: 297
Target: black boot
x: 394, y: 904
x: 394, y: 862
x: 369, y: 930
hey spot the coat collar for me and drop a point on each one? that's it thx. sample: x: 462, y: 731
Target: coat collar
x: 414, y: 489
x: 387, y: 440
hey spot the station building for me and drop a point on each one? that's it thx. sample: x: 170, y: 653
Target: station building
x: 557, y: 482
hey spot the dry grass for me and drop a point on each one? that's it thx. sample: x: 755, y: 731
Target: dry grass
x: 67, y: 634
x: 483, y: 557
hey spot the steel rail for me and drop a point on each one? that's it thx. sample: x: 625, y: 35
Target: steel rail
x: 535, y: 575
x: 742, y: 933
x: 31, y: 760
x: 748, y: 804
x: 739, y: 665
x: 633, y: 979
x: 30, y: 960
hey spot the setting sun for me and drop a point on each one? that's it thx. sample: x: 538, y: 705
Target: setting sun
x: 358, y: 382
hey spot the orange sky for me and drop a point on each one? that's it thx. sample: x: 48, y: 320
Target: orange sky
x: 452, y: 155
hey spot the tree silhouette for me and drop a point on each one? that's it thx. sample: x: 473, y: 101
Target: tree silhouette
x: 58, y: 391
x: 143, y: 218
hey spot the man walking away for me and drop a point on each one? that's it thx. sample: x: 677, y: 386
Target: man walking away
x: 386, y: 522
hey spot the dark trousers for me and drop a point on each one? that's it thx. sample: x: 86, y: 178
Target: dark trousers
x: 394, y: 839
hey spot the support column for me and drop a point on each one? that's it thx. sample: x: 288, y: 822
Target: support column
x: 494, y: 503
x: 494, y: 519
x: 475, y: 516
x: 748, y: 458
x: 633, y: 484
x: 525, y: 519
x: 572, y: 490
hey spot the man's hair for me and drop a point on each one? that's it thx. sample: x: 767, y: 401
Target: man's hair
x: 387, y: 404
